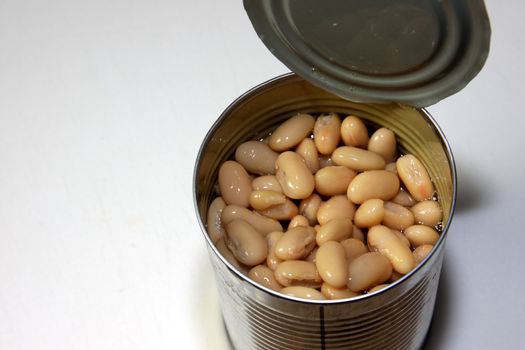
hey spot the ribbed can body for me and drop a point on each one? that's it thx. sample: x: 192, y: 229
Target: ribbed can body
x: 397, y: 317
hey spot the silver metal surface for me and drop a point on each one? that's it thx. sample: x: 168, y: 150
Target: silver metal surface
x: 415, y: 52
x: 396, y: 317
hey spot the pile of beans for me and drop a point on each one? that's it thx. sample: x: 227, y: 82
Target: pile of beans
x: 321, y: 209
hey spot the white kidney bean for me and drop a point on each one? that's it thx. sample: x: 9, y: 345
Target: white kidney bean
x: 262, y: 224
x: 383, y: 142
x: 337, y: 206
x: 384, y: 241
x: 367, y: 271
x: 379, y: 184
x: 213, y: 221
x: 333, y: 180
x: 354, y: 132
x: 290, y: 133
x: 421, y: 234
x: 285, y: 211
x: 337, y: 229
x: 421, y: 252
x: 331, y: 292
x: 298, y: 220
x: 397, y: 216
x: 427, y: 213
x: 296, y: 243
x: 227, y: 254
x: 415, y: 177
x: 353, y: 248
x: 265, y: 277
x: 370, y: 213
x: 403, y: 238
x: 303, y: 292
x: 404, y: 198
x: 357, y: 158
x: 332, y: 264
x: 378, y: 287
x: 309, y: 208
x: 235, y: 184
x: 246, y: 244
x: 298, y: 273
x: 264, y: 199
x: 266, y: 183
x: 256, y: 157
x: 312, y: 256
x: 327, y: 133
x: 308, y: 151
x: 272, y: 260
x: 294, y: 176
x: 395, y: 276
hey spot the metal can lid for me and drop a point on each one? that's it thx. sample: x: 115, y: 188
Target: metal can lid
x: 415, y: 52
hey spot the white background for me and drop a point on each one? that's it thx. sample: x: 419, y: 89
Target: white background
x: 103, y: 105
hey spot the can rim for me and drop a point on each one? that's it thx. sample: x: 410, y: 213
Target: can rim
x: 439, y: 243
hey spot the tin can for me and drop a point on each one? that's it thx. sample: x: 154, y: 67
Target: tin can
x: 396, y: 317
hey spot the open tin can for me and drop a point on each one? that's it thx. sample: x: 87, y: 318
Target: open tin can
x: 396, y: 317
